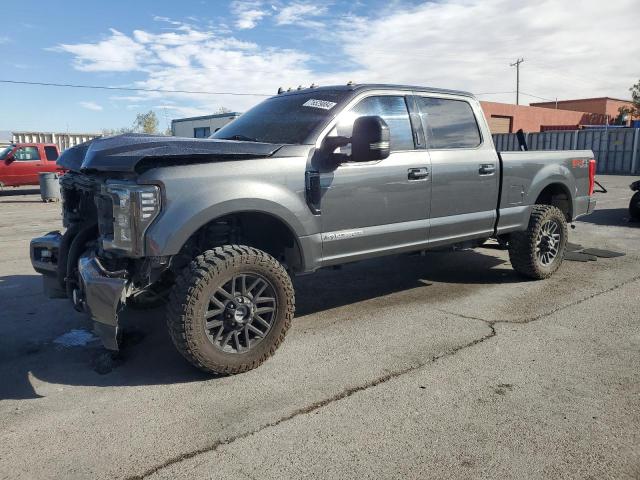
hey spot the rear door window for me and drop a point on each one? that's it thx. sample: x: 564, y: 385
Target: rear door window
x: 27, y: 154
x: 51, y: 153
x: 448, y: 123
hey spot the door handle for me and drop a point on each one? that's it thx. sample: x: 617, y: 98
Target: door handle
x: 487, y: 169
x: 418, y: 173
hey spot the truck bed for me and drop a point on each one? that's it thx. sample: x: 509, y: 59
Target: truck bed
x: 527, y: 175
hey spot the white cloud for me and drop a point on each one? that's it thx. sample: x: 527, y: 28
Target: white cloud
x: 458, y: 44
x: 195, y: 59
x: 248, y: 13
x: 299, y: 13
x: 117, y: 53
x: 91, y: 106
x: 469, y: 44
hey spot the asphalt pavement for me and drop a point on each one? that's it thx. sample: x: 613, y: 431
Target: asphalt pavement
x: 445, y: 365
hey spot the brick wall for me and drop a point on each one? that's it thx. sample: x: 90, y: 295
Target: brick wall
x: 603, y: 105
x: 530, y: 119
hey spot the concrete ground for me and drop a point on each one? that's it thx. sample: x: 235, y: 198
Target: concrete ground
x: 442, y: 366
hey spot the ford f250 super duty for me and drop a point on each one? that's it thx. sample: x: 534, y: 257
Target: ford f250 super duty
x: 310, y: 178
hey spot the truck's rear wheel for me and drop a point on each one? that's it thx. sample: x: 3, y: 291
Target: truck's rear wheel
x: 538, y: 251
x: 634, y: 207
x: 230, y: 309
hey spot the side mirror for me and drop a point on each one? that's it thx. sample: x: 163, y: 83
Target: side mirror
x: 9, y: 158
x: 370, y: 139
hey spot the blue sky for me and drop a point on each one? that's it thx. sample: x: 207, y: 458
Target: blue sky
x: 572, y: 49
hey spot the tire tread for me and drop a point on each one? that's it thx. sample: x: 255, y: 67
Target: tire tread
x: 192, y: 280
x: 522, y: 244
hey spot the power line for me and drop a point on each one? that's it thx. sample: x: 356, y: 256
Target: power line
x: 132, y: 89
x: 193, y: 92
x: 536, y: 96
x: 493, y: 93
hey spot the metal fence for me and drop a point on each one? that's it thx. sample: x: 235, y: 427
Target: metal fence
x: 617, y: 150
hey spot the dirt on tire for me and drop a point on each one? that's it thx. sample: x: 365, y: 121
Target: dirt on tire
x: 191, y: 293
x: 522, y: 245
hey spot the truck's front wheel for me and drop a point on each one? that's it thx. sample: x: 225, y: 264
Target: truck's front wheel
x: 538, y: 251
x: 230, y: 309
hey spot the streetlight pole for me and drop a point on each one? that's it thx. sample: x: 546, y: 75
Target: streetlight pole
x: 517, y: 65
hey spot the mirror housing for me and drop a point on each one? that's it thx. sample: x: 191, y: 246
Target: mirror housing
x: 10, y: 157
x: 370, y: 140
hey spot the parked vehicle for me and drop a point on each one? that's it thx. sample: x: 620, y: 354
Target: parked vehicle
x: 20, y: 163
x: 634, y: 203
x: 307, y: 179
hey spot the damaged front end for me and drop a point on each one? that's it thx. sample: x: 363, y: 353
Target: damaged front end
x: 99, y: 261
x: 94, y: 289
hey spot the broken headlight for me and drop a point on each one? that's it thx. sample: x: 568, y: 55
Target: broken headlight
x: 134, y: 208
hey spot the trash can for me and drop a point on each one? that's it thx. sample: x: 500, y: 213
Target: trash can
x: 49, y: 187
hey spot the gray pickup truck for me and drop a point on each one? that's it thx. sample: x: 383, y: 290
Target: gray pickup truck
x: 316, y: 177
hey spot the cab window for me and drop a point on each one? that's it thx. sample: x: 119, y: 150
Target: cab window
x: 448, y: 123
x: 392, y: 109
x: 27, y: 154
x: 51, y: 153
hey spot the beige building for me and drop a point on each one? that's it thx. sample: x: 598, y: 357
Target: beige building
x: 63, y: 140
x: 201, y: 127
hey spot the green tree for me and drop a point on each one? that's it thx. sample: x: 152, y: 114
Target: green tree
x: 633, y: 111
x: 143, y: 123
x: 146, y: 122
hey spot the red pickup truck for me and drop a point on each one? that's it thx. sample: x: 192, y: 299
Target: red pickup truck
x: 20, y: 163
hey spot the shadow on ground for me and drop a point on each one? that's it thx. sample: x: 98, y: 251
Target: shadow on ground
x: 615, y: 217
x: 13, y: 192
x: 31, y: 323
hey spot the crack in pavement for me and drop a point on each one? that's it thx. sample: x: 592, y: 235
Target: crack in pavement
x: 373, y: 383
x: 557, y: 309
x: 314, y: 406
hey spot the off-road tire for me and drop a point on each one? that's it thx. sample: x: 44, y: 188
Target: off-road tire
x: 634, y: 207
x: 522, y: 245
x: 190, y: 296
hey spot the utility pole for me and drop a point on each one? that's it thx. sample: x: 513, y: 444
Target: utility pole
x: 517, y: 65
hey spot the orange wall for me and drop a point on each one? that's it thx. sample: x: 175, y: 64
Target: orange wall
x: 530, y: 119
x: 608, y: 106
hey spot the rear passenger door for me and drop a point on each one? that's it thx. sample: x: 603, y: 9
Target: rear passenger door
x: 51, y: 156
x: 464, y: 169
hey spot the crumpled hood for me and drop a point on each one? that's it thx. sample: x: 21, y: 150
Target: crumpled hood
x: 123, y: 153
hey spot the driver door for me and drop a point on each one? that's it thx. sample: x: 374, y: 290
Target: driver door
x: 26, y: 165
x: 380, y: 207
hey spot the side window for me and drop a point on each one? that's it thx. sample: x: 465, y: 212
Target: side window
x: 448, y: 123
x: 27, y: 154
x: 51, y: 153
x: 392, y: 109
x: 201, y: 132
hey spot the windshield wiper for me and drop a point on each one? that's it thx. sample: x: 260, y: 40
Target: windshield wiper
x: 241, y: 137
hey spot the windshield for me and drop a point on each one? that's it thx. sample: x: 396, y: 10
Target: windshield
x: 5, y: 151
x: 285, y: 119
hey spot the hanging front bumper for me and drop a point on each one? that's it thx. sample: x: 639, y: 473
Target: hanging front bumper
x: 104, y: 296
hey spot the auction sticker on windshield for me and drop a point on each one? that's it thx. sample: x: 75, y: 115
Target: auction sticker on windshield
x: 323, y: 104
